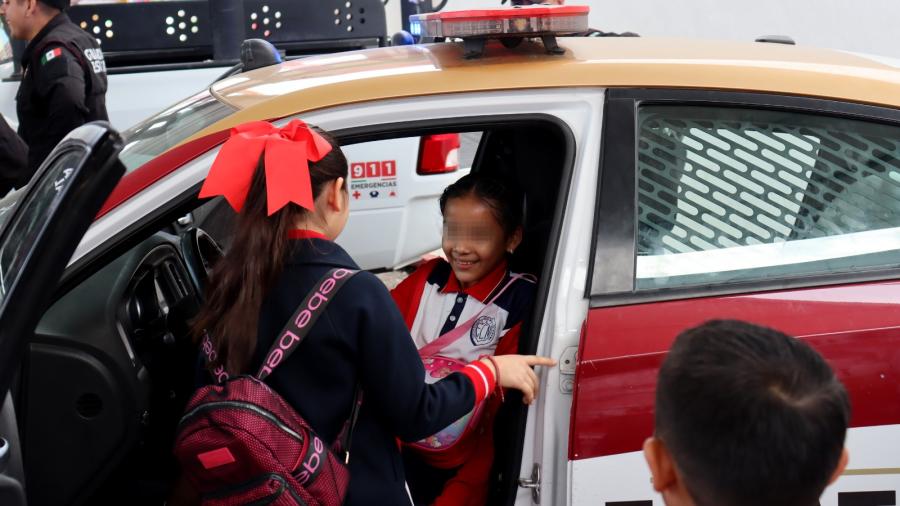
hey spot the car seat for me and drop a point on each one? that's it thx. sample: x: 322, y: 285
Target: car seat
x: 531, y: 157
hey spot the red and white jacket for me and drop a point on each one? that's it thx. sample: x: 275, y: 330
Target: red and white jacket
x: 432, y: 302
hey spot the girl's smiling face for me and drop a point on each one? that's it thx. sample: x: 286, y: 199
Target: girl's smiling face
x: 474, y: 240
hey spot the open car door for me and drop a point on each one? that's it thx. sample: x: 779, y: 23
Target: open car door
x: 38, y: 234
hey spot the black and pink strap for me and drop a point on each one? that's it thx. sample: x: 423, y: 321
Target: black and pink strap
x: 290, y: 338
x: 303, y: 320
x: 451, y: 336
x: 294, y: 331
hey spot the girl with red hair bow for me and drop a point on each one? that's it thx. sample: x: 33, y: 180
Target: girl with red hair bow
x: 288, y: 185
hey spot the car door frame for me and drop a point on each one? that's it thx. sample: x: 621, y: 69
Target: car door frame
x: 83, y: 188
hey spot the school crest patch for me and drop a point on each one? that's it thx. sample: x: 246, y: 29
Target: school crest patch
x: 483, y: 331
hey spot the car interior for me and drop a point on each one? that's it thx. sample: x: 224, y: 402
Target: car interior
x: 112, y: 362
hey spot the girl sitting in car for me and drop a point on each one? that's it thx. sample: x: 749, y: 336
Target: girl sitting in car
x: 466, y: 307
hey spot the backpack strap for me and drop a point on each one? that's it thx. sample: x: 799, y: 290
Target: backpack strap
x: 296, y: 330
x: 453, y: 335
x: 303, y: 320
x: 292, y: 335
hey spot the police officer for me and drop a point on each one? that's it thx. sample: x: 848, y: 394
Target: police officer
x: 64, y: 75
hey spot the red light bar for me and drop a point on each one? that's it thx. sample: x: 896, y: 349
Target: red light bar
x: 519, y: 21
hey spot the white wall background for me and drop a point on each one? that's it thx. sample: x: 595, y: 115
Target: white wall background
x: 869, y: 26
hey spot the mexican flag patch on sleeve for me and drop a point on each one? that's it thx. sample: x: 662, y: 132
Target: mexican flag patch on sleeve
x: 51, y: 54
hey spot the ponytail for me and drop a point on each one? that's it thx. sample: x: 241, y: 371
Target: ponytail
x: 240, y: 281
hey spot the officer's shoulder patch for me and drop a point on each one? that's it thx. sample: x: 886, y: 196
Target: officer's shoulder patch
x: 51, y: 54
x: 55, y: 63
x: 55, y: 54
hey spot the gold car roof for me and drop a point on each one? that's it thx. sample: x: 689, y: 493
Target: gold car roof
x: 393, y: 72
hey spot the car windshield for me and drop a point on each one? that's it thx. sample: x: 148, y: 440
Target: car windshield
x: 152, y: 137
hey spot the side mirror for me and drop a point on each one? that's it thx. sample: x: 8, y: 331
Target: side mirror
x: 256, y: 53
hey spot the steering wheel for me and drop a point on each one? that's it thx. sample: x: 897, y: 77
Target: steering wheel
x: 201, y: 252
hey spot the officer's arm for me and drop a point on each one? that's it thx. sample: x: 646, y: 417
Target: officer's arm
x: 60, y: 81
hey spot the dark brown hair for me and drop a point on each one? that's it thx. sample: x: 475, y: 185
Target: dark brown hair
x: 260, y: 246
x: 750, y: 415
x: 504, y: 199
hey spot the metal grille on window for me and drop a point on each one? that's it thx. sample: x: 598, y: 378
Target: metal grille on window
x: 717, y: 178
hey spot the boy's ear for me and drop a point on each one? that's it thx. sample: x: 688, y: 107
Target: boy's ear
x: 841, y: 466
x: 662, y: 467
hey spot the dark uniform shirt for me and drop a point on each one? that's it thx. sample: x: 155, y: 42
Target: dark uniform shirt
x: 63, y: 87
x: 13, y: 157
x: 362, y: 339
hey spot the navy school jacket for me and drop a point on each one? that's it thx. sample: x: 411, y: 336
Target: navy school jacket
x: 362, y: 338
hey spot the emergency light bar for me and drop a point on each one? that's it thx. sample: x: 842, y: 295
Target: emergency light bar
x: 544, y: 21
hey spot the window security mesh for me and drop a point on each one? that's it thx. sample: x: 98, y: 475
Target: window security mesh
x: 712, y: 178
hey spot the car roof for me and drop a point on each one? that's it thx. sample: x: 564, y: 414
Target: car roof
x: 317, y: 82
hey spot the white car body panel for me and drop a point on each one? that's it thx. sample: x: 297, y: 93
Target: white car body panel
x: 547, y: 430
x: 626, y: 477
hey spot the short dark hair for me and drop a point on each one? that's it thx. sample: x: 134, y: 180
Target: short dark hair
x: 750, y: 415
x: 505, y: 199
x: 55, y: 5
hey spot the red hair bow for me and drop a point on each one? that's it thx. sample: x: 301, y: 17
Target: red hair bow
x: 288, y: 151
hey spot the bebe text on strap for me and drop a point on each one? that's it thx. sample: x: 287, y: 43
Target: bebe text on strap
x: 294, y: 331
x: 309, y: 311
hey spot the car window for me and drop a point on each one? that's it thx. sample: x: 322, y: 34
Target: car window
x: 734, y: 194
x: 15, y: 252
x: 152, y: 137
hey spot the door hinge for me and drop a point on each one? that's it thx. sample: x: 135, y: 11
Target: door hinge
x: 534, y: 483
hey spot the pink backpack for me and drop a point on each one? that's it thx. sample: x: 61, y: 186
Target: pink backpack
x: 239, y: 442
x: 438, y: 366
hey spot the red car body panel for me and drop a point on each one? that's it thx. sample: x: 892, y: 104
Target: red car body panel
x: 855, y: 327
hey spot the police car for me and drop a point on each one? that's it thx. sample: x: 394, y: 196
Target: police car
x: 667, y: 182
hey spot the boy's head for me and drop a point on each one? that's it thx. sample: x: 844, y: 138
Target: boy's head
x: 746, y: 415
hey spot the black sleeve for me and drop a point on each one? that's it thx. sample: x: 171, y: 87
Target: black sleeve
x: 13, y: 157
x: 392, y: 374
x: 60, y: 79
